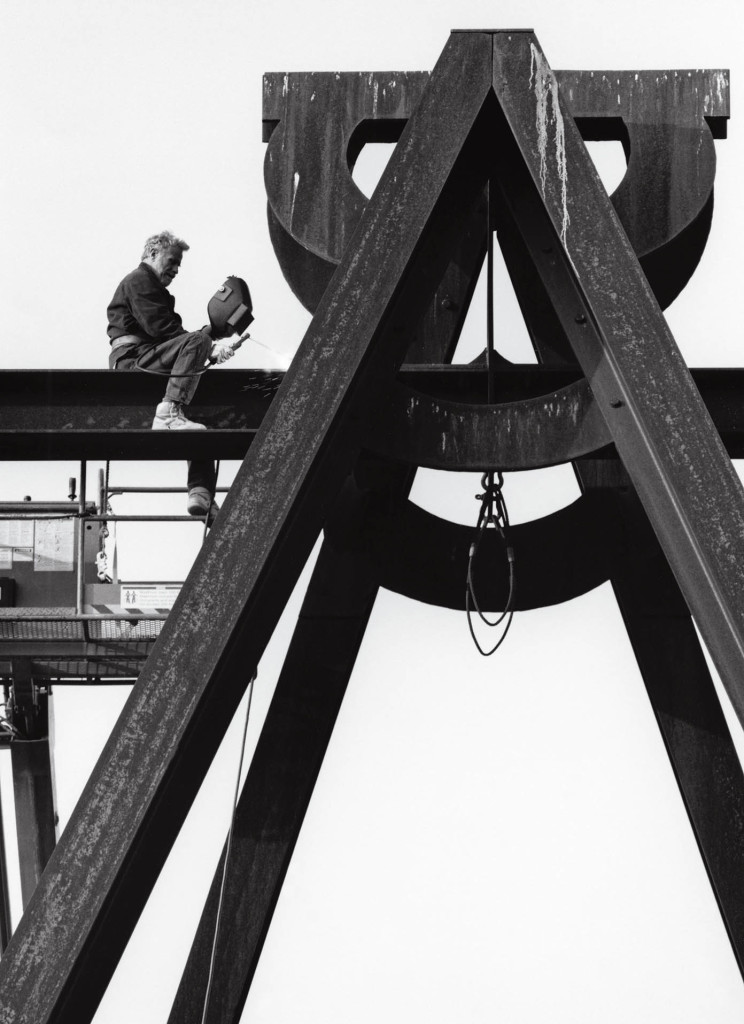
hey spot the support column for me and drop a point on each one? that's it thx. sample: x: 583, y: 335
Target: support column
x: 6, y: 924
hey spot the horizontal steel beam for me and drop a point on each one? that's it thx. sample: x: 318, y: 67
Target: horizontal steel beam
x: 50, y: 414
x: 97, y: 414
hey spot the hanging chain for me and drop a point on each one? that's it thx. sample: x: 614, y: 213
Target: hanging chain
x: 494, y: 515
x: 493, y: 512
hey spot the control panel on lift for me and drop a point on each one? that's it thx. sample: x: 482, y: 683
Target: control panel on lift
x: 39, y: 554
x: 39, y: 560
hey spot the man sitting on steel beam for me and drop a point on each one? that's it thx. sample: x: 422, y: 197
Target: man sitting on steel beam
x: 147, y: 334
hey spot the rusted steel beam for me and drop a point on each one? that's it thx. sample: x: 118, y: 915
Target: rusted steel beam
x: 682, y: 694
x: 545, y: 431
x: 658, y: 422
x: 63, y: 953
x: 124, y: 400
x: 54, y: 414
x: 663, y: 119
x: 672, y: 663
x: 47, y: 414
x: 435, y: 419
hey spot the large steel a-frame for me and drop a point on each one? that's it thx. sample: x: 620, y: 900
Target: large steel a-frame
x: 491, y: 140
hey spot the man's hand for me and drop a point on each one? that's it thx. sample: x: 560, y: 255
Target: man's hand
x: 227, y: 347
x: 221, y: 352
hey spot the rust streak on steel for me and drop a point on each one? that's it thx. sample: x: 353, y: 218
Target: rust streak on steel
x: 536, y: 432
x: 65, y: 949
x: 664, y: 119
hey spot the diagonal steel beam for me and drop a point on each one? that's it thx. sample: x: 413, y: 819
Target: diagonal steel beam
x: 661, y: 429
x: 683, y: 697
x: 673, y: 667
x: 278, y: 787
x: 76, y: 925
x: 672, y: 664
x: 308, y: 696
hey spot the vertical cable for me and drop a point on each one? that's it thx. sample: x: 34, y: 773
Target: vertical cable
x: 106, y: 483
x: 489, y: 325
x: 489, y: 301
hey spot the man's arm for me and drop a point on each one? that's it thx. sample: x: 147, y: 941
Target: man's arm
x: 152, y: 306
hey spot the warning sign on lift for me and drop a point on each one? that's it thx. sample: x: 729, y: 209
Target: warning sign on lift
x: 157, y: 595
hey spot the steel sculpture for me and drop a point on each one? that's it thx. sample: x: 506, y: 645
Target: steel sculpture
x: 390, y: 280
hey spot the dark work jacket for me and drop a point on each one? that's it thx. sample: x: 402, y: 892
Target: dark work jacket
x: 142, y: 305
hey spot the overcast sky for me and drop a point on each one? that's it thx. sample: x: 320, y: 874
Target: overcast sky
x: 489, y: 840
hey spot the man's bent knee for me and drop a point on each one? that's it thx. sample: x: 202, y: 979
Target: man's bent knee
x: 198, y: 342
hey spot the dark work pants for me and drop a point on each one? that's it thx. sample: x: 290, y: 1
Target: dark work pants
x: 181, y: 356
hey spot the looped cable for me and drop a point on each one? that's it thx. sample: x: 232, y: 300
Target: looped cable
x: 493, y: 513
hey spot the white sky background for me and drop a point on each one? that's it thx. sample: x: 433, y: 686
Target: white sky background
x: 488, y: 840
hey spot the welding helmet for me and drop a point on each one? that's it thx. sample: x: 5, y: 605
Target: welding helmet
x: 230, y: 309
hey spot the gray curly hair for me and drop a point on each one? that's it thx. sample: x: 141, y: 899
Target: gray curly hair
x: 164, y: 240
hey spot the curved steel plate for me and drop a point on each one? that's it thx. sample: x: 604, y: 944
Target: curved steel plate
x: 529, y: 434
x: 421, y: 556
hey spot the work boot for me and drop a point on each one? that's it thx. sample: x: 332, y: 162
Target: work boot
x: 201, y: 503
x: 169, y: 416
